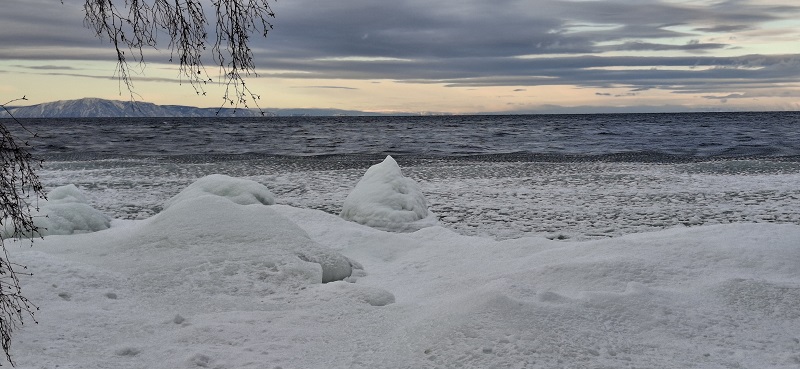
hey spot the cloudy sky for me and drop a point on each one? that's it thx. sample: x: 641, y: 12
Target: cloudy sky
x: 456, y: 56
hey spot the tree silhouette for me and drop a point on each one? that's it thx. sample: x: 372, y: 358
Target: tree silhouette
x: 19, y: 188
x: 130, y: 26
x: 134, y: 25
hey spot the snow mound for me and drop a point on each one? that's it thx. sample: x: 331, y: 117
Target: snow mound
x: 387, y: 200
x: 66, y: 211
x: 244, y: 245
x: 66, y: 194
x: 239, y: 190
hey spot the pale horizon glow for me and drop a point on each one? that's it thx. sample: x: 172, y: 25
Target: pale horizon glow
x: 451, y: 57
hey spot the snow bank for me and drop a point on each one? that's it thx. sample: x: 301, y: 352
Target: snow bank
x: 210, y: 283
x: 67, y: 211
x: 239, y: 190
x: 387, y: 200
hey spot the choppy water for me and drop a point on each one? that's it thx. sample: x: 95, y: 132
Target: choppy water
x: 559, y: 176
x: 680, y: 136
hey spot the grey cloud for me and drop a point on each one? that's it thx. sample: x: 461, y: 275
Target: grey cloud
x: 133, y: 78
x: 44, y: 23
x: 473, y: 43
x: 551, y: 70
x: 462, y: 43
x: 654, y: 31
x: 724, y: 28
x: 419, y: 29
x: 726, y: 97
x: 649, y: 46
x: 407, y: 29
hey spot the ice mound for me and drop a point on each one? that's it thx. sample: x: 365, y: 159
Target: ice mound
x: 66, y: 211
x: 208, y: 216
x: 246, y: 245
x: 239, y: 190
x: 387, y: 200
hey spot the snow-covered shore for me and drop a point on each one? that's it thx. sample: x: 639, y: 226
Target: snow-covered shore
x: 219, y: 283
x: 570, y: 200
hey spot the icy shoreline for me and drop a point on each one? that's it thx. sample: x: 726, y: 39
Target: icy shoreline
x: 504, y: 200
x: 220, y: 278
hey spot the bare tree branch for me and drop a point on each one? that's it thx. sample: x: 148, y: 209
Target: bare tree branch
x: 19, y: 188
x: 133, y: 25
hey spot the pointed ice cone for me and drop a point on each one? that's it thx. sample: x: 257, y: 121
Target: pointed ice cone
x: 387, y: 200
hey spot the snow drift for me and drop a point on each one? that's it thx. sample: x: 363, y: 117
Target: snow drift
x: 239, y: 190
x: 215, y: 203
x: 186, y: 289
x: 387, y: 200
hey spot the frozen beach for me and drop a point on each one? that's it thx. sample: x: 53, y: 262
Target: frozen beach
x: 277, y: 244
x: 219, y: 277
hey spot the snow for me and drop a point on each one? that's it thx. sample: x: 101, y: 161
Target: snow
x: 570, y: 200
x: 239, y: 190
x: 387, y: 200
x: 215, y: 283
x: 66, y: 211
x: 95, y: 107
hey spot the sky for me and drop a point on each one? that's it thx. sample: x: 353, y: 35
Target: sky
x: 448, y: 56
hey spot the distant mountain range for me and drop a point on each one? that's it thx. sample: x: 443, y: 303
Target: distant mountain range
x: 97, y: 108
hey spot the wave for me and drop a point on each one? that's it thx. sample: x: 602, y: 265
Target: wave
x: 667, y: 138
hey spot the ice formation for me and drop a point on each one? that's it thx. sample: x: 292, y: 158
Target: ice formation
x: 215, y: 201
x: 387, y: 200
x: 276, y: 251
x: 239, y: 190
x: 67, y: 211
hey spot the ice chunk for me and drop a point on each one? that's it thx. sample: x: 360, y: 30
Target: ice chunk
x: 239, y: 190
x: 335, y: 267
x: 66, y: 194
x: 387, y: 200
x: 66, y: 211
x: 70, y: 218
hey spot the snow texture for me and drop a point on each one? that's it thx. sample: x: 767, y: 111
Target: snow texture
x: 572, y: 200
x: 205, y: 284
x: 387, y: 200
x: 66, y: 211
x: 208, y: 282
x: 279, y: 245
x: 239, y: 190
